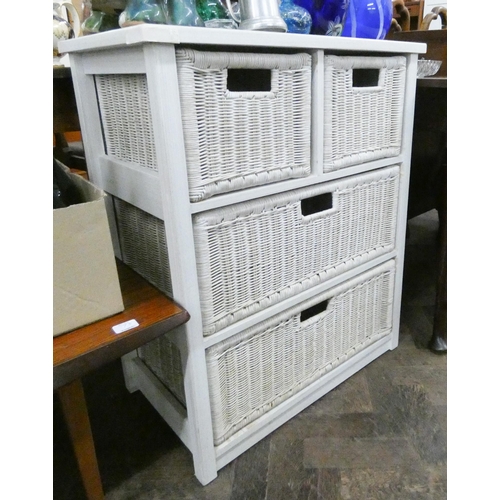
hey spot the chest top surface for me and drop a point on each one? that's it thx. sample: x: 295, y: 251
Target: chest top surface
x: 167, y: 34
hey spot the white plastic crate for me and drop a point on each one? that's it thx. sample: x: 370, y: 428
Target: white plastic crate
x: 246, y: 118
x: 363, y: 110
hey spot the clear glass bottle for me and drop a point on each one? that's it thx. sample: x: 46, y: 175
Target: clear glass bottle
x: 297, y: 19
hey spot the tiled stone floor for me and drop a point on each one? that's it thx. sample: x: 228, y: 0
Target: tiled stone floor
x: 380, y: 435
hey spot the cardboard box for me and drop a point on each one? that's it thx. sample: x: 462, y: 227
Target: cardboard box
x: 85, y: 277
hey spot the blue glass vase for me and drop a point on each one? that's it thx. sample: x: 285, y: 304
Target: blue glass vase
x: 297, y: 19
x: 368, y: 19
x: 328, y: 16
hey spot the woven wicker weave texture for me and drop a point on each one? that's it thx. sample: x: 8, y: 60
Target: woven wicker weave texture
x: 143, y: 244
x: 163, y: 358
x: 235, y: 140
x: 362, y: 121
x: 126, y: 118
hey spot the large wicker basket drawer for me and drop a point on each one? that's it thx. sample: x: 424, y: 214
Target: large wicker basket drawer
x: 363, y: 110
x: 254, y: 371
x: 253, y: 255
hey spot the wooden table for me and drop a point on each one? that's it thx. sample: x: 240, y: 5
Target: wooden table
x: 78, y: 352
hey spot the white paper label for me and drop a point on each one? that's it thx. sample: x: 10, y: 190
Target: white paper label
x: 123, y: 327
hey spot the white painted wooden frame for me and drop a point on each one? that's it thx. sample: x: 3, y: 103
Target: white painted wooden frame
x: 150, y: 50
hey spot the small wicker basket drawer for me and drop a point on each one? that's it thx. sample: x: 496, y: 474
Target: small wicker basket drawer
x: 256, y: 370
x: 246, y: 118
x: 255, y: 254
x: 363, y: 110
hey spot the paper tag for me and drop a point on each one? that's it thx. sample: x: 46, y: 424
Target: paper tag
x: 123, y: 327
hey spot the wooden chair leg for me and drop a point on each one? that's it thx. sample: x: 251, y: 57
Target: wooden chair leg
x: 75, y: 413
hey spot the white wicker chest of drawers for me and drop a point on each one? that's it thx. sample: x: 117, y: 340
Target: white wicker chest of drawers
x: 261, y: 180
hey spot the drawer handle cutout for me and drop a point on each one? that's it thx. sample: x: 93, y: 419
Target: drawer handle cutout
x: 248, y: 80
x: 316, y: 204
x: 365, y: 77
x: 313, y: 311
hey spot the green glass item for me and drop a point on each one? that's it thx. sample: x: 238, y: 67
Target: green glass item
x: 98, y: 22
x: 215, y: 14
x: 184, y: 13
x: 144, y: 11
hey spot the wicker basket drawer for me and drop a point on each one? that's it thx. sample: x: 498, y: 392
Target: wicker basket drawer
x: 363, y: 110
x: 246, y: 118
x: 254, y: 371
x: 253, y: 255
